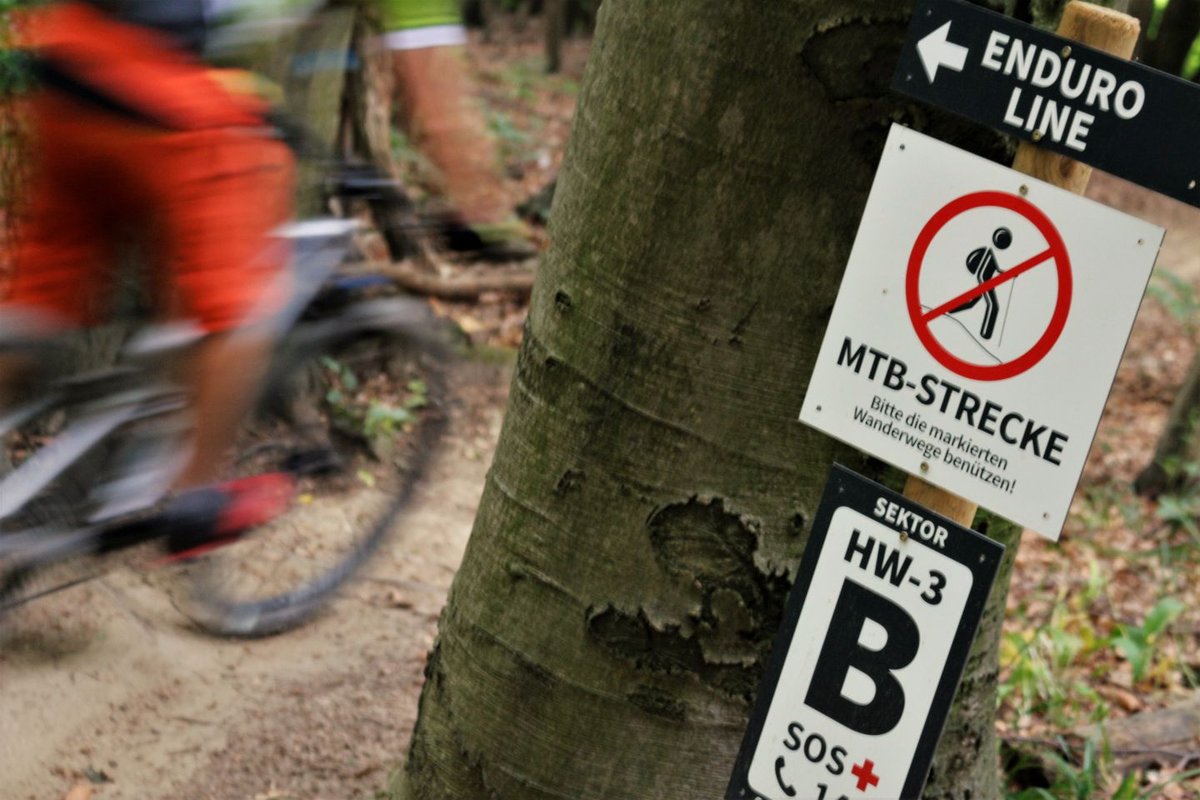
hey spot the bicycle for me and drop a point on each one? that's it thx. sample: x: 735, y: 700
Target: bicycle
x: 92, y: 492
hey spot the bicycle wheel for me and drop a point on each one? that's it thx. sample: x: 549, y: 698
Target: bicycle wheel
x: 357, y: 420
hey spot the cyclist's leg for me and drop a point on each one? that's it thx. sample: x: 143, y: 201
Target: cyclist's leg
x: 437, y: 108
x: 230, y: 190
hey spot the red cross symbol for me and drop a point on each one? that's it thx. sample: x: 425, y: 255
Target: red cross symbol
x: 864, y: 773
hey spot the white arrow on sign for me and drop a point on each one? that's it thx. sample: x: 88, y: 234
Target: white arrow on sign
x: 936, y: 50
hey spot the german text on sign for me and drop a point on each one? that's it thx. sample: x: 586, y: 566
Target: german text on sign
x: 979, y: 324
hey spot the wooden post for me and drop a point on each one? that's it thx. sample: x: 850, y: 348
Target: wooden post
x: 1103, y: 29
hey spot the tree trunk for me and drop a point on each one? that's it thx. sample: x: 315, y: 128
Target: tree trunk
x: 492, y: 12
x: 580, y: 17
x: 651, y: 493
x: 1177, y: 441
x: 554, y: 18
x: 1143, y: 10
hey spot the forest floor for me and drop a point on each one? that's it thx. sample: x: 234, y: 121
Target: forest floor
x: 105, y: 688
x: 1105, y: 623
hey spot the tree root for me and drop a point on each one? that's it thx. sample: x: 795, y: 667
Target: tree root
x: 466, y: 285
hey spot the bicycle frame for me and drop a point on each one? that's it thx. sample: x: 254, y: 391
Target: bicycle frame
x: 318, y: 250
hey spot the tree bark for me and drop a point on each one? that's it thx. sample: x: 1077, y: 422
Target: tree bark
x: 554, y: 18
x: 1177, y: 441
x: 650, y: 497
x: 1143, y: 10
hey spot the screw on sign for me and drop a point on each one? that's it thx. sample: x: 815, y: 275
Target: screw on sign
x: 985, y: 266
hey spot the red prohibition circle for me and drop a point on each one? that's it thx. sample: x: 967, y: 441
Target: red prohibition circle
x: 1057, y: 251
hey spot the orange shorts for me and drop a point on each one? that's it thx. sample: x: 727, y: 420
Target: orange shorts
x: 200, y: 202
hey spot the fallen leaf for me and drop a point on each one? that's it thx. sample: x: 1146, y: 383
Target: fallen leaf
x: 81, y: 791
x: 1122, y: 697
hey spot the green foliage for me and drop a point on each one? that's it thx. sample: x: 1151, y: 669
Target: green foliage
x: 1177, y: 296
x: 1156, y: 18
x: 1036, y: 677
x: 1137, y: 642
x: 14, y: 78
x: 502, y: 127
x: 383, y: 419
x: 14, y: 71
x: 416, y: 170
x: 1106, y: 503
x: 1180, y: 511
x: 523, y: 77
x: 356, y: 412
x: 1081, y: 782
x: 1191, y: 66
x: 1092, y: 777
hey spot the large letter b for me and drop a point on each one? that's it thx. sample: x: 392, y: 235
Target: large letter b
x: 842, y: 650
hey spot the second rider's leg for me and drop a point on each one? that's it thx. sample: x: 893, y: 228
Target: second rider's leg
x: 439, y: 111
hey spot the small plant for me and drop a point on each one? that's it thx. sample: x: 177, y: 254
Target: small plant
x: 384, y: 419
x: 357, y: 412
x: 416, y: 171
x: 1036, y: 677
x: 1093, y: 777
x: 1180, y: 512
x: 1106, y: 501
x: 15, y: 78
x: 1081, y: 782
x: 502, y: 127
x: 523, y: 77
x: 1177, y: 296
x: 1138, y: 643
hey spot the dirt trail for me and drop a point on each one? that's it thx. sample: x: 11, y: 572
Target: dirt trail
x: 106, y: 682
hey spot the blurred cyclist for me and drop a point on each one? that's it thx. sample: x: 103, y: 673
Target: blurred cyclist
x: 134, y: 136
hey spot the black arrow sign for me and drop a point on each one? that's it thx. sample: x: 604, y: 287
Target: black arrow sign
x: 1119, y: 116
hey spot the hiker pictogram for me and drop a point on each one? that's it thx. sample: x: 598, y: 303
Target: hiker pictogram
x: 982, y: 264
x: 988, y: 331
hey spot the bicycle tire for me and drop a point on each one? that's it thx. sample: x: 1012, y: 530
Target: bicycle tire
x: 282, y: 574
